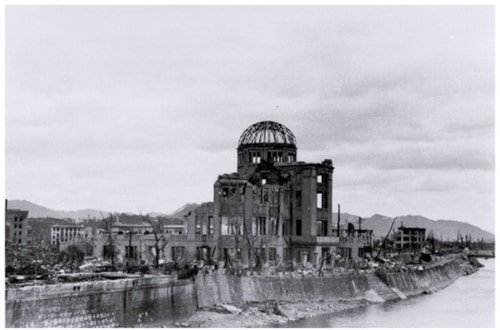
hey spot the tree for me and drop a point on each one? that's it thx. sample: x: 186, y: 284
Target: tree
x: 324, y: 259
x: 251, y: 246
x: 110, y: 249
x: 431, y: 240
x: 468, y: 240
x: 72, y: 257
x: 159, y: 238
x: 287, y: 240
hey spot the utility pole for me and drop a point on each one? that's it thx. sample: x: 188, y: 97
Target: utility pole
x: 338, y: 222
x: 7, y: 239
x: 130, y: 253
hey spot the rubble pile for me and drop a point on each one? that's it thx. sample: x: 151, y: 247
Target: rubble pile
x: 387, y: 263
x: 264, y: 314
x: 467, y: 268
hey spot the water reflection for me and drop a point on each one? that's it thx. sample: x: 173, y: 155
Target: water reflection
x: 469, y: 302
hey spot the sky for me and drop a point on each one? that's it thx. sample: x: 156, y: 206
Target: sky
x: 139, y: 109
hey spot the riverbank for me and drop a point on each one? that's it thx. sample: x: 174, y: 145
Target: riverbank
x: 442, y: 309
x: 259, y: 315
x: 222, y: 300
x: 428, y: 278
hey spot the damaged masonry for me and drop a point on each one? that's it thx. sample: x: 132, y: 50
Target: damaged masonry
x: 274, y: 210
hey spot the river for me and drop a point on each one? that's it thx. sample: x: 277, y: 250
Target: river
x: 467, y: 303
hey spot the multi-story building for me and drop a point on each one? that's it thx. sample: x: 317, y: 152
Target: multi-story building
x: 67, y: 234
x: 409, y: 238
x: 16, y: 228
x: 137, y: 241
x: 354, y: 243
x: 273, y: 208
x: 175, y: 226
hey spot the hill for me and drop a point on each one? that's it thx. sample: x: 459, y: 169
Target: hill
x: 38, y: 211
x: 184, y: 210
x: 447, y: 229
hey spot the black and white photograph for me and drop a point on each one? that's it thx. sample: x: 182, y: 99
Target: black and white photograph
x: 235, y: 166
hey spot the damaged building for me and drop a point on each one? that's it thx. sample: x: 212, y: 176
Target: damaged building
x: 274, y: 208
x: 136, y: 242
x: 16, y: 227
x: 409, y: 239
x: 354, y: 243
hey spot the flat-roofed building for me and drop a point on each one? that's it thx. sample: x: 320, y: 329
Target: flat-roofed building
x: 17, y: 228
x: 67, y: 234
x: 409, y: 238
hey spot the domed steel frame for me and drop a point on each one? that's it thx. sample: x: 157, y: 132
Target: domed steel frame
x: 267, y: 132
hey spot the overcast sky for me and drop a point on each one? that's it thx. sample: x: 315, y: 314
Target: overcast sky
x: 140, y: 108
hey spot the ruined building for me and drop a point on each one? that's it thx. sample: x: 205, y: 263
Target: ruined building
x: 136, y: 242
x: 65, y: 235
x: 16, y: 228
x: 354, y: 243
x: 61, y: 234
x: 409, y: 238
x: 273, y: 208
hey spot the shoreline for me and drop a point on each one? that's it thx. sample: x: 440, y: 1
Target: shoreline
x: 271, y: 313
x: 258, y: 315
x: 222, y: 300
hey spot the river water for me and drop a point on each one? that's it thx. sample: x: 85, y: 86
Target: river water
x: 467, y: 303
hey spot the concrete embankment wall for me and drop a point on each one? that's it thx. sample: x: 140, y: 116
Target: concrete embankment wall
x: 227, y: 289
x: 217, y: 288
x: 429, y: 279
x: 118, y: 303
x: 132, y: 302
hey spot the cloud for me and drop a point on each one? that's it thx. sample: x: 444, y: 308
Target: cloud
x: 440, y: 155
x: 149, y: 101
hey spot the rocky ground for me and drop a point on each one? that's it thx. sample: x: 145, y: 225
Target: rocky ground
x: 259, y: 315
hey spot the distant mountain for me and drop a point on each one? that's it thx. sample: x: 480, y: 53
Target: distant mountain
x: 38, y: 211
x: 184, y: 210
x: 157, y: 214
x: 447, y: 229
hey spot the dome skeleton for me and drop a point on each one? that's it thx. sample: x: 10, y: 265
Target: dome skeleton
x: 267, y: 132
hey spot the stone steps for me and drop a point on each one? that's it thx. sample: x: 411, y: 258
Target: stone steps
x: 381, y: 288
